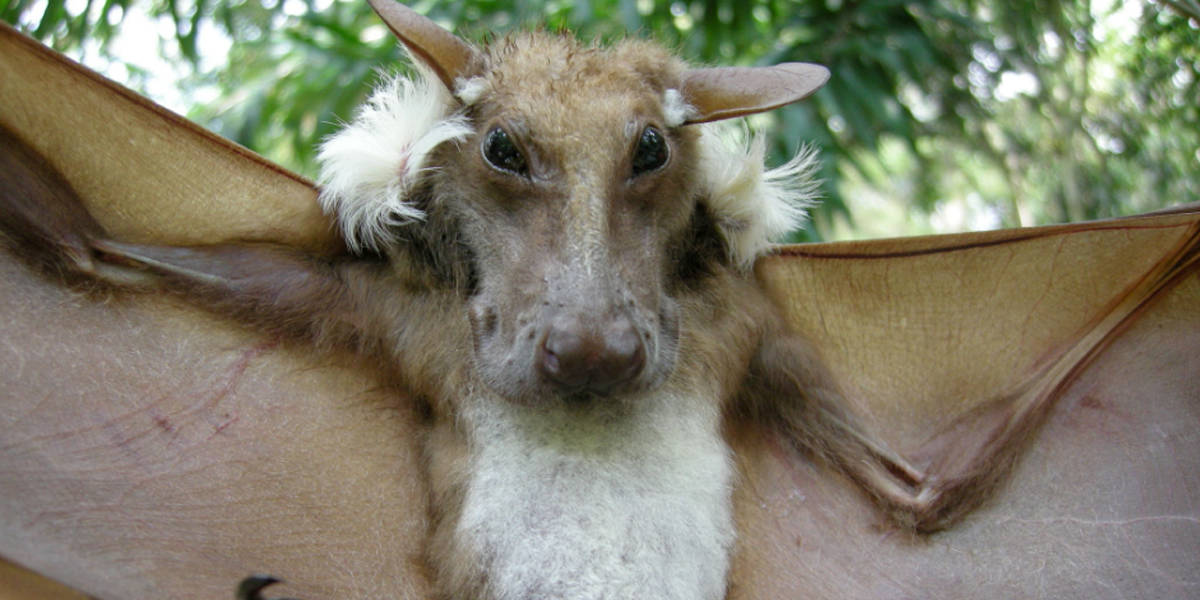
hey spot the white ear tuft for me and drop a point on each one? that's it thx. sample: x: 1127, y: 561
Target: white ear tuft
x: 370, y: 168
x: 675, y: 109
x: 470, y: 91
x: 753, y: 205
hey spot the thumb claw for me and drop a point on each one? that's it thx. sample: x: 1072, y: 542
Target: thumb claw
x: 251, y: 587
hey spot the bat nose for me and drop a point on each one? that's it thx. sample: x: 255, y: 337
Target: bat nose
x: 598, y: 358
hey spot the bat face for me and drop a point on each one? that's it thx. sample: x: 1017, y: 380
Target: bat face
x: 564, y: 192
x: 573, y: 200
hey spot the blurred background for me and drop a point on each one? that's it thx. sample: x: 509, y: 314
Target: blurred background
x: 940, y: 116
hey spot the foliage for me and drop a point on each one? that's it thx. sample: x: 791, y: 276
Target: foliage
x: 1036, y: 110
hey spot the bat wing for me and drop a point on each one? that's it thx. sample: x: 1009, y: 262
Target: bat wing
x: 151, y: 449
x: 926, y: 332
x: 1048, y: 378
x: 147, y: 174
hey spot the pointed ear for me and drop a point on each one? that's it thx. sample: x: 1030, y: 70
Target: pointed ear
x: 727, y: 92
x: 447, y: 55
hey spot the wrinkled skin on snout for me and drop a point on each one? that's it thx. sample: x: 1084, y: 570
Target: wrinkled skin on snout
x: 573, y: 230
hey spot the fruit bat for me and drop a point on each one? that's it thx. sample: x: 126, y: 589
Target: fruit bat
x: 957, y: 462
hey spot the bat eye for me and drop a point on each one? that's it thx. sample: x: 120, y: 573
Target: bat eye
x: 500, y: 152
x: 651, y: 152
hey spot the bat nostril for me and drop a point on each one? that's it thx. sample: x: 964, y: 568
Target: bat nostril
x: 564, y: 355
x: 626, y: 353
x: 549, y: 362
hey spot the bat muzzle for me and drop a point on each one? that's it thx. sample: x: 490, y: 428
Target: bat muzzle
x: 590, y: 356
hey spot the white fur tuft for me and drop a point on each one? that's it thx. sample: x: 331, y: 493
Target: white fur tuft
x: 676, y: 110
x: 469, y: 91
x: 369, y: 169
x: 754, y: 206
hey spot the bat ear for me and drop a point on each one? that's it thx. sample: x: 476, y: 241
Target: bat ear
x: 448, y: 56
x: 726, y: 92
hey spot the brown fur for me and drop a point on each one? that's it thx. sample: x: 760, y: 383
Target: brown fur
x: 500, y: 259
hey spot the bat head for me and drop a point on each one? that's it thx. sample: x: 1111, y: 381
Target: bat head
x: 571, y: 192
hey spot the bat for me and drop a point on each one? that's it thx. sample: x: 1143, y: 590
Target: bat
x: 782, y: 367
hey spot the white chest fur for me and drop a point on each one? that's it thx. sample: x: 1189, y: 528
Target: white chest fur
x: 576, y: 506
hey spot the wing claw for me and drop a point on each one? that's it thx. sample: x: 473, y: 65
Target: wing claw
x: 251, y: 587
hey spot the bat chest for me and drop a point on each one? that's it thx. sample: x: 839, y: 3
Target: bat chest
x: 595, y: 506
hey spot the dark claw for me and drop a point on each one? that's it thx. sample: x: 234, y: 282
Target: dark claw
x: 250, y: 587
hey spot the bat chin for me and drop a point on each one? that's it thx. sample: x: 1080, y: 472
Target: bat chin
x: 534, y: 390
x: 623, y: 393
x: 583, y: 398
x: 580, y: 401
